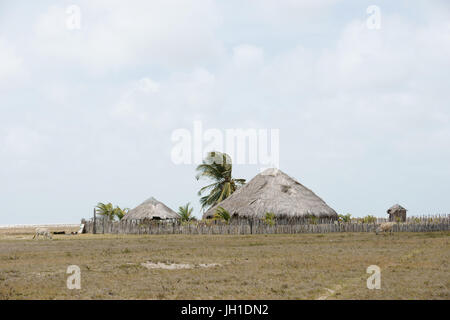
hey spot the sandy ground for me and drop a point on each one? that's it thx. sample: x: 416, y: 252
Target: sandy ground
x: 23, y: 229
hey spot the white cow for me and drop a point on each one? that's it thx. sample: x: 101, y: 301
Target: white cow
x: 43, y: 232
x: 385, y: 227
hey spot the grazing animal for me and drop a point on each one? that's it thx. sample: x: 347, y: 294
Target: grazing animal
x: 385, y: 227
x: 42, y: 232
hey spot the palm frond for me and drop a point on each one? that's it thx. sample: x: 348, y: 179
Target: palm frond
x: 222, y: 214
x: 217, y: 167
x: 185, y: 213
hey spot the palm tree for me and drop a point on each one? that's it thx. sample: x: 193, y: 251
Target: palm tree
x: 217, y: 167
x: 185, y: 213
x: 120, y: 213
x: 107, y: 210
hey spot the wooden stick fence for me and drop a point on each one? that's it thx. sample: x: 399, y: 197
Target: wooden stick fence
x: 256, y: 226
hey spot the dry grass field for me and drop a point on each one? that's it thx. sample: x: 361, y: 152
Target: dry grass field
x: 303, y: 266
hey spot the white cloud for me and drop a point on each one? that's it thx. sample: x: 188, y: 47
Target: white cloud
x: 11, y: 65
x: 148, y: 85
x: 21, y: 142
x: 115, y: 34
x: 292, y: 12
x: 160, y: 104
x: 247, y: 55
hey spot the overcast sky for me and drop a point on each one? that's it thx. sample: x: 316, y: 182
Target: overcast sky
x: 87, y: 115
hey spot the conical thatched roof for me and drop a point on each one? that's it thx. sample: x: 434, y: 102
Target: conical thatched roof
x: 151, y: 209
x: 276, y: 192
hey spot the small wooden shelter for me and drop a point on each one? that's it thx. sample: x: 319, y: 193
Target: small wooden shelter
x: 397, y: 213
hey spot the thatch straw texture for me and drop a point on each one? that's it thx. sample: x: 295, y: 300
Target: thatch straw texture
x: 276, y: 192
x: 151, y: 209
x: 395, y: 208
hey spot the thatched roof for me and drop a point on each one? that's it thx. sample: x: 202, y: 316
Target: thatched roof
x: 276, y: 192
x: 395, y: 208
x: 151, y: 209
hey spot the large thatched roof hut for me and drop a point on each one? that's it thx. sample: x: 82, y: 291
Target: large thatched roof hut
x: 276, y: 192
x: 397, y: 213
x: 151, y: 209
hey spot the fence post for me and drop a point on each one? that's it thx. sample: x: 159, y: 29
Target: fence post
x: 94, y: 229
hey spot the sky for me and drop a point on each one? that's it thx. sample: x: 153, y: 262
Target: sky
x: 92, y: 91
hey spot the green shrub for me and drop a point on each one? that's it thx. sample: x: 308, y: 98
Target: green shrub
x: 222, y: 214
x: 345, y: 218
x: 312, y: 219
x: 369, y: 219
x: 269, y: 218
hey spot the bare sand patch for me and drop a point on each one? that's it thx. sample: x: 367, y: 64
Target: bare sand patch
x: 175, y: 266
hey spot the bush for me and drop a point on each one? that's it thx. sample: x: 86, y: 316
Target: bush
x: 269, y: 218
x: 369, y: 219
x: 345, y: 218
x: 312, y: 219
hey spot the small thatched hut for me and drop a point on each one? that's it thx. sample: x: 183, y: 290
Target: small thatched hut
x: 275, y: 192
x: 397, y: 213
x: 151, y: 209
